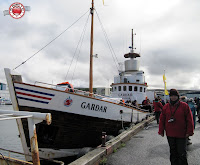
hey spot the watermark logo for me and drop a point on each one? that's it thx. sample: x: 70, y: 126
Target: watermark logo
x: 68, y: 102
x: 16, y: 10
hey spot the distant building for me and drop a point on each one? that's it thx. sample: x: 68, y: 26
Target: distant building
x: 100, y: 90
x: 193, y: 94
x: 187, y: 93
x: 4, y: 93
x: 2, y: 86
x: 103, y: 91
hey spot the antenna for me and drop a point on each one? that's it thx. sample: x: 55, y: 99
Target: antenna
x: 132, y: 54
x: 140, y: 44
x: 132, y: 41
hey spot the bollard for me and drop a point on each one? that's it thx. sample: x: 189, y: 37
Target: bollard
x: 103, y: 139
x: 138, y: 117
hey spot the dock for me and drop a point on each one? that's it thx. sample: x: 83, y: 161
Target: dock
x: 140, y: 145
x: 148, y: 148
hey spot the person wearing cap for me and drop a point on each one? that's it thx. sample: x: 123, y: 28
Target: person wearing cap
x: 177, y: 122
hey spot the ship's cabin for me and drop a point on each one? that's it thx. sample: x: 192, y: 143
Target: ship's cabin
x: 128, y: 88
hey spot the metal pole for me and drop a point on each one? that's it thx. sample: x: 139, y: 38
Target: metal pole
x: 132, y: 41
x: 164, y: 88
x: 138, y: 117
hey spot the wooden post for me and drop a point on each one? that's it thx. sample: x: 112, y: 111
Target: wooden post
x: 91, y: 51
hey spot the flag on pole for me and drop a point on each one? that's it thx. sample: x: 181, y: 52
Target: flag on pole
x: 164, y: 80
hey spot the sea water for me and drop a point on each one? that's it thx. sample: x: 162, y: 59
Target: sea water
x: 9, y: 136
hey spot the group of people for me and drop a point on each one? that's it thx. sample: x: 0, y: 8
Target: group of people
x: 146, y: 104
x: 131, y: 103
x: 176, y: 120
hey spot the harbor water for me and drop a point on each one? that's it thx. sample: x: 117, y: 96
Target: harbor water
x: 9, y: 136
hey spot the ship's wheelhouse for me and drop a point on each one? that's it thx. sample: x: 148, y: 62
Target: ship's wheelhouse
x: 128, y: 88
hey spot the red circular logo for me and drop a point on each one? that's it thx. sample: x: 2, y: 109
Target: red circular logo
x: 16, y: 10
x: 68, y: 102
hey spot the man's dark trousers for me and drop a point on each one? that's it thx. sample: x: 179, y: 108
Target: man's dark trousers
x: 178, y: 154
x: 157, y: 115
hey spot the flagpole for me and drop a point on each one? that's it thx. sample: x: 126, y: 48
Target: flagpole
x: 164, y: 88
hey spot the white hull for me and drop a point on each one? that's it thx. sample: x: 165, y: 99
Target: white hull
x: 51, y: 99
x: 77, y: 120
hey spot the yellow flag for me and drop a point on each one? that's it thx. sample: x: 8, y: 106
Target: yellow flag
x: 103, y: 2
x: 164, y: 80
x: 166, y: 92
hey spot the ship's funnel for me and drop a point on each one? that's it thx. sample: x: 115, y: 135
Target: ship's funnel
x: 131, y: 65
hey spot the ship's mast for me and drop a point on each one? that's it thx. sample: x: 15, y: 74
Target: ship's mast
x: 91, y: 50
x: 132, y: 43
x: 132, y: 54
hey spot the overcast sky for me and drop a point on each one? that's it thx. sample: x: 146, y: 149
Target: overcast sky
x: 167, y: 38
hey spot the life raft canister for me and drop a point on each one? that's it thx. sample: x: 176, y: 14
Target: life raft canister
x: 69, y: 88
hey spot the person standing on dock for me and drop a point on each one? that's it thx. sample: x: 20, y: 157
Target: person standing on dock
x: 157, y: 108
x: 192, y: 106
x: 176, y: 119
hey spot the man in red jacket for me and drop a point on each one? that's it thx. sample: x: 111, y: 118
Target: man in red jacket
x: 157, y: 108
x: 176, y: 120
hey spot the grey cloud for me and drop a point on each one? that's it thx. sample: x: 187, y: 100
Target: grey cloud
x: 169, y: 41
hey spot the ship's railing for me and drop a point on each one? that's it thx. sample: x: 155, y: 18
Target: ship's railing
x: 33, y: 118
x: 87, y: 93
x: 78, y: 91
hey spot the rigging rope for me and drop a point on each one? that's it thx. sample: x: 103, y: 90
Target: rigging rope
x: 109, y: 44
x: 83, y: 34
x: 51, y: 41
x: 80, y: 40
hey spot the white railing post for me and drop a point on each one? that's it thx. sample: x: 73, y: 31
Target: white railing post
x: 33, y: 141
x: 33, y: 118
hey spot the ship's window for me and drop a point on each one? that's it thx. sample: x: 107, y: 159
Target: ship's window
x: 130, y: 88
x: 119, y: 88
x: 124, y: 88
x: 135, y: 88
x: 140, y: 89
x: 137, y: 80
x: 125, y: 80
x: 115, y: 88
x: 144, y: 90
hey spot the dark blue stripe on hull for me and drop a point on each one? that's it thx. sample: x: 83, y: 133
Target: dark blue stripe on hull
x: 23, y: 98
x: 29, y: 90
